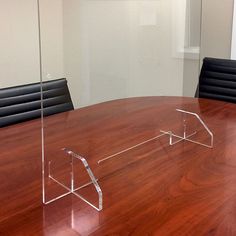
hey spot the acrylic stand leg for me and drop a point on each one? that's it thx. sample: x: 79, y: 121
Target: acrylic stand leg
x: 188, y: 137
x: 93, y: 181
x: 72, y: 189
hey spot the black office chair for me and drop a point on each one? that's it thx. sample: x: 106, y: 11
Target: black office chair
x: 217, y: 80
x: 22, y: 103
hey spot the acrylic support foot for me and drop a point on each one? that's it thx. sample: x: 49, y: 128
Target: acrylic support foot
x: 186, y: 137
x: 72, y: 189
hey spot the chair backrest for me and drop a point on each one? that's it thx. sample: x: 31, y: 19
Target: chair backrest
x: 218, y: 80
x: 22, y: 103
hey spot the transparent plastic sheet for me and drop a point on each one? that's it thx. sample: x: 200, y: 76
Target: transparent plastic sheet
x: 102, y: 63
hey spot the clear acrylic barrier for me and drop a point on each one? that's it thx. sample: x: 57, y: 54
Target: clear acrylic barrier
x: 110, y: 50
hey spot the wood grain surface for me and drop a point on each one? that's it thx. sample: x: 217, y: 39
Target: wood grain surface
x: 154, y: 189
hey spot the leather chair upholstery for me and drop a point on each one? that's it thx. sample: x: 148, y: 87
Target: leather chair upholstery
x: 218, y: 80
x: 22, y: 103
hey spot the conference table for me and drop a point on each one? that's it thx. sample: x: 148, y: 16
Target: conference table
x: 152, y: 188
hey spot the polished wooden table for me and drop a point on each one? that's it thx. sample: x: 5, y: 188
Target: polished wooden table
x: 154, y: 189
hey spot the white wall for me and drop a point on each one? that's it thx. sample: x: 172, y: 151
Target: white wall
x: 19, y: 58
x: 51, y: 24
x: 191, y: 77
x: 186, y: 41
x: 116, y: 49
x: 217, y: 18
x: 191, y: 64
x: 19, y: 42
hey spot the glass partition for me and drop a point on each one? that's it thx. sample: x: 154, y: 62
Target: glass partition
x: 108, y: 67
